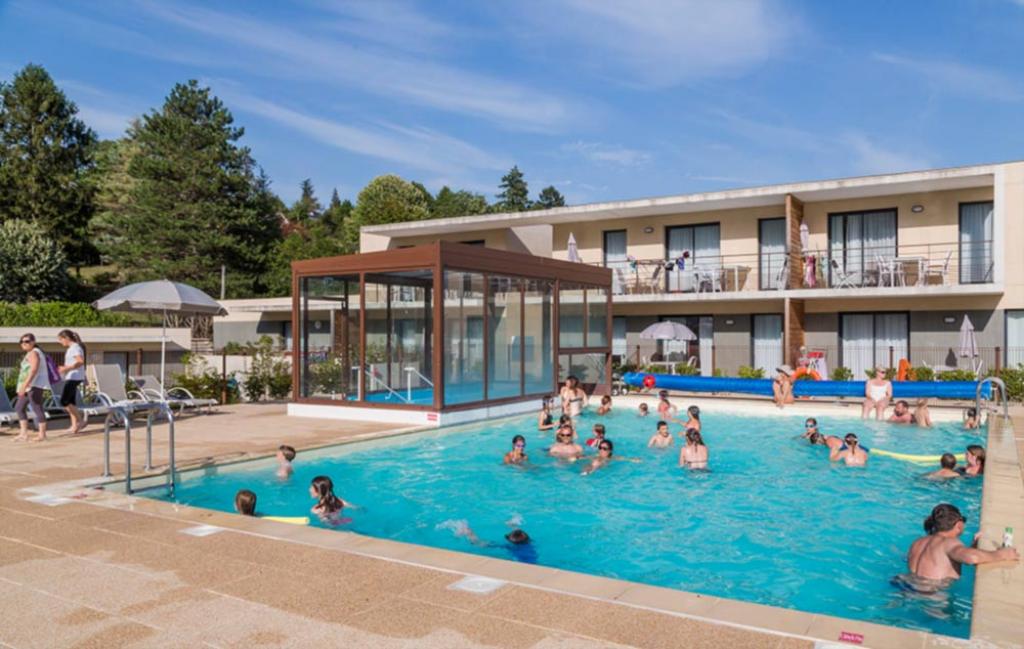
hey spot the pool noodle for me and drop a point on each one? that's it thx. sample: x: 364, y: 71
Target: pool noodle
x: 917, y: 459
x: 293, y: 520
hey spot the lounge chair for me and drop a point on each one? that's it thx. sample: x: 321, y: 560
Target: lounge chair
x: 176, y: 396
x: 7, y: 414
x: 110, y: 390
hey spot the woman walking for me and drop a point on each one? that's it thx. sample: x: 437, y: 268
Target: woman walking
x: 32, y: 380
x: 73, y: 371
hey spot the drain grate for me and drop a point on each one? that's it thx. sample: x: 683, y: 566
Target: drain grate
x: 477, y: 585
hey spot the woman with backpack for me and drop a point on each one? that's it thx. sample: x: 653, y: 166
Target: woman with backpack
x: 33, y: 378
x: 73, y: 371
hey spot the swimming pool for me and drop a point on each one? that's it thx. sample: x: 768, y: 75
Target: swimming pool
x: 772, y: 523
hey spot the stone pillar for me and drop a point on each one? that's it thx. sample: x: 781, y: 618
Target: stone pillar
x: 793, y: 330
x: 794, y: 219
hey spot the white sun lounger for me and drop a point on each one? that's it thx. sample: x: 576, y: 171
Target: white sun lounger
x: 177, y: 396
x: 110, y: 390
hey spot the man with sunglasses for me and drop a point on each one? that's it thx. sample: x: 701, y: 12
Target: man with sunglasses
x: 940, y: 554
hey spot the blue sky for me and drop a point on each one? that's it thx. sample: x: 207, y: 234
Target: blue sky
x: 602, y: 98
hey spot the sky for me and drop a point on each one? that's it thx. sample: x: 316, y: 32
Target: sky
x: 604, y: 99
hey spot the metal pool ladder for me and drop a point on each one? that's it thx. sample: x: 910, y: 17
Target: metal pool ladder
x: 124, y: 413
x: 997, y: 382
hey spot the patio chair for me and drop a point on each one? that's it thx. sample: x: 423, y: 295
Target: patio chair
x: 890, y: 272
x: 938, y: 270
x: 653, y: 283
x: 840, y: 278
x: 111, y: 392
x: 7, y: 414
x: 178, y: 396
x: 782, y: 277
x: 624, y: 285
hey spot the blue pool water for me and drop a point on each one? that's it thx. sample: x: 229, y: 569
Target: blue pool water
x: 772, y: 522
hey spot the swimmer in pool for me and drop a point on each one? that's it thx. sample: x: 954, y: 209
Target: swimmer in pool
x: 939, y: 555
x: 901, y: 413
x: 971, y: 419
x: 328, y: 506
x: 517, y: 455
x: 661, y: 438
x: 565, y: 421
x: 245, y: 502
x: 922, y: 416
x: 695, y: 454
x: 810, y: 427
x: 665, y: 408
x: 642, y: 410
x: 606, y: 405
x: 544, y: 420
x: 604, y: 456
x: 693, y: 418
x: 850, y: 453
x: 831, y: 442
x: 947, y: 470
x: 564, y: 447
x: 595, y: 441
x: 285, y: 456
x: 975, y: 457
x: 518, y: 544
x: 574, y: 399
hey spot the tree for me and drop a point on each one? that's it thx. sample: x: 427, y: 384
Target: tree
x: 197, y: 199
x: 515, y: 194
x: 34, y: 265
x: 307, y: 207
x: 310, y: 243
x: 336, y: 213
x: 549, y: 197
x: 458, y: 203
x: 113, y: 186
x: 45, y: 154
x: 385, y: 199
x: 427, y: 196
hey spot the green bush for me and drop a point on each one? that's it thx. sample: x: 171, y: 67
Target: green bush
x: 842, y: 374
x: 922, y: 374
x: 63, y: 314
x: 958, y: 375
x: 34, y: 264
x: 1013, y: 377
x: 329, y: 376
x: 804, y: 377
x: 748, y: 372
x: 205, y: 382
x: 269, y: 374
x: 718, y: 373
x: 10, y: 382
x: 685, y: 369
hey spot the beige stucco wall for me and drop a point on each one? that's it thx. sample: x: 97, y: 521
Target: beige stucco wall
x: 1010, y: 195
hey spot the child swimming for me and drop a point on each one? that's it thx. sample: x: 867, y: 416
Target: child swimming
x: 642, y: 410
x: 695, y: 454
x: 665, y: 407
x: 693, y: 418
x: 328, y: 506
x: 245, y: 502
x: 544, y: 419
x: 947, y: 468
x: 518, y: 453
x: 285, y: 455
x: 971, y: 419
x: 598, y: 437
x: 606, y: 405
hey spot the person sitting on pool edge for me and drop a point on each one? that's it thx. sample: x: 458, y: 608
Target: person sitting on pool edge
x: 661, y: 437
x: 939, y: 555
x: 901, y: 413
x: 782, y: 386
x: 695, y: 454
x: 518, y: 453
x: 544, y: 420
x: 947, y: 464
x: 245, y: 502
x: 971, y: 419
x: 564, y: 447
x: 285, y: 455
x: 831, y: 442
x: 851, y: 452
x: 877, y: 394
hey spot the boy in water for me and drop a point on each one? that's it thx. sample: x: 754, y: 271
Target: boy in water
x: 971, y: 419
x: 245, y: 502
x: 662, y: 438
x: 519, y: 545
x: 940, y: 554
x: 948, y: 468
x: 285, y: 455
x: 642, y: 410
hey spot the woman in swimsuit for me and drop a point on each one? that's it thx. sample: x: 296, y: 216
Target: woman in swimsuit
x: 517, y: 455
x: 544, y: 419
x: 851, y: 452
x: 877, y: 395
x: 695, y: 454
x: 574, y: 399
x: 604, y: 456
x: 975, y: 457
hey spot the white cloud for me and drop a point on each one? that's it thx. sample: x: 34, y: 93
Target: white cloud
x: 393, y: 24
x: 598, y: 152
x: 661, y: 44
x: 109, y: 124
x: 289, y: 53
x: 417, y: 147
x: 874, y: 158
x: 958, y: 78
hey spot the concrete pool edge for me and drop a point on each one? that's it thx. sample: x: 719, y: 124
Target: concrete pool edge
x: 997, y: 626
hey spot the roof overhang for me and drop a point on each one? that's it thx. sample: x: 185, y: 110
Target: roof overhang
x: 768, y: 195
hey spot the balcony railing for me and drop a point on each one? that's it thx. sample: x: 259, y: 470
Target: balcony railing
x: 932, y: 264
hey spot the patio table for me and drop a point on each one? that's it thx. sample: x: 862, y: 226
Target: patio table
x: 897, y: 262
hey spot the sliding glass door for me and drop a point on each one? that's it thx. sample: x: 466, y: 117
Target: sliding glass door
x: 616, y: 259
x: 857, y: 240
x: 696, y: 245
x: 771, y: 253
x: 975, y: 243
x: 767, y: 342
x: 868, y: 337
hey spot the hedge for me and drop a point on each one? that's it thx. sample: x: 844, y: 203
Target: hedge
x: 63, y: 314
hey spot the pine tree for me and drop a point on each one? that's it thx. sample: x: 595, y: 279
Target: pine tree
x: 45, y: 155
x: 549, y: 197
x: 458, y: 203
x: 515, y: 194
x: 336, y: 213
x: 307, y: 207
x: 198, y: 199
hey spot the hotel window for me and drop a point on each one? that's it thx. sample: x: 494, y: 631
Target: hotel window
x: 1014, y: 338
x: 976, y: 243
x: 616, y: 259
x: 767, y: 342
x: 697, y: 245
x: 619, y: 337
x: 771, y: 253
x: 867, y: 337
x: 856, y: 240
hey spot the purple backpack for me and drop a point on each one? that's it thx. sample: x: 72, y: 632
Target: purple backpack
x: 51, y: 370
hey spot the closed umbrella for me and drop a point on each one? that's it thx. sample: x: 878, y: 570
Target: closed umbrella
x: 160, y: 296
x: 805, y: 238
x: 574, y: 253
x: 968, y: 342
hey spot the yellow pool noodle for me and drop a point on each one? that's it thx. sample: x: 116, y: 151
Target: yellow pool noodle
x: 917, y: 459
x: 293, y: 520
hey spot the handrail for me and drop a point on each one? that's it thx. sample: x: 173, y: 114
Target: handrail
x: 153, y: 409
x: 387, y: 387
x: 409, y: 371
x: 998, y: 382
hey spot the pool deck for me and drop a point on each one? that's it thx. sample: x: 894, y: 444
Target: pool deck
x: 84, y: 567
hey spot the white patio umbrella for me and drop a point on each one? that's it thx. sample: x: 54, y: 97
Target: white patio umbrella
x: 968, y: 342
x: 574, y: 253
x: 160, y: 296
x: 668, y: 330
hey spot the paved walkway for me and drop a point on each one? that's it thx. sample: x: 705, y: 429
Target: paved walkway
x: 79, y: 575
